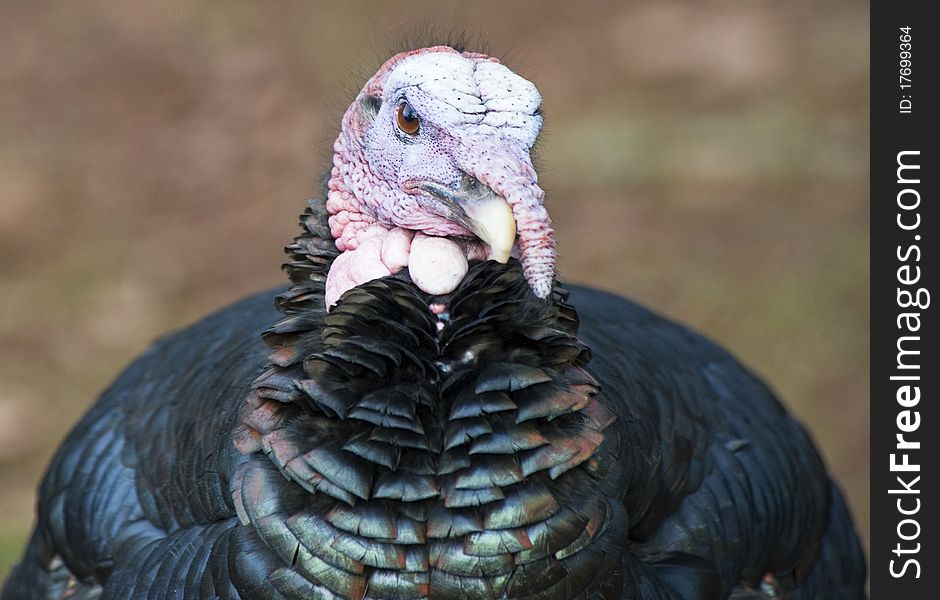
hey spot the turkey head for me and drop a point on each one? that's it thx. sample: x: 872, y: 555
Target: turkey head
x: 432, y: 168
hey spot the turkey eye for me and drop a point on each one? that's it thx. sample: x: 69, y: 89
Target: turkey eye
x: 408, y: 120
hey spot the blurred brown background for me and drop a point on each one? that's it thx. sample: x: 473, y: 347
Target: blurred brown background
x: 706, y: 158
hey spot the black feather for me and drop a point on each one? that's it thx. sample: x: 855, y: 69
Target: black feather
x: 523, y: 449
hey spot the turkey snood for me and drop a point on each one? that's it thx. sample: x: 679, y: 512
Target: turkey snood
x: 432, y: 168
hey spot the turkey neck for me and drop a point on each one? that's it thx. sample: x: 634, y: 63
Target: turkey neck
x: 405, y: 454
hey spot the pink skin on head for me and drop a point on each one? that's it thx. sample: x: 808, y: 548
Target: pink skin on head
x: 477, y: 118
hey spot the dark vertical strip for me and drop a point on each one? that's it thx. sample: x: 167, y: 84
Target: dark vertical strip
x: 905, y: 426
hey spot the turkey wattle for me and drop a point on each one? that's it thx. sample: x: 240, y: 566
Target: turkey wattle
x: 423, y: 414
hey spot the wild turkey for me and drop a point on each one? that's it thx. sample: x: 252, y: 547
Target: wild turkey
x: 460, y: 428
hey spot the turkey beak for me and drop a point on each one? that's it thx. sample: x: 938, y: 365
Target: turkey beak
x: 492, y: 221
x: 480, y: 210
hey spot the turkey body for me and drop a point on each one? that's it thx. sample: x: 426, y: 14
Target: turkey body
x: 579, y: 447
